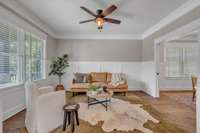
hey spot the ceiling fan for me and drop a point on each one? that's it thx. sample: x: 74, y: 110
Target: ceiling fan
x: 101, y: 16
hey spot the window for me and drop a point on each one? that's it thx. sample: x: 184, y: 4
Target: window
x: 21, y: 56
x: 34, y: 57
x: 181, y: 60
x: 8, y: 54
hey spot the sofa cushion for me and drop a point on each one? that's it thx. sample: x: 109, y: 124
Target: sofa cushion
x: 99, y: 84
x: 80, y: 86
x: 120, y: 86
x: 98, y: 77
x: 81, y: 77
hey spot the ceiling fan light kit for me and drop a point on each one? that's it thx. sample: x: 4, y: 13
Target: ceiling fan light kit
x: 100, y: 17
x: 100, y: 21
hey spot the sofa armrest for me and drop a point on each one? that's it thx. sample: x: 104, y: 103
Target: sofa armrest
x: 49, y: 112
x: 125, y: 82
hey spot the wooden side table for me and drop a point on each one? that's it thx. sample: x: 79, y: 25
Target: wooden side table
x: 70, y: 113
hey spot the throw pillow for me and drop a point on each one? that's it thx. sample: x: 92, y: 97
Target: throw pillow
x: 81, y: 77
x: 117, y: 79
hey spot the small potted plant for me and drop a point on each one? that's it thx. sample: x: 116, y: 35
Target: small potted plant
x: 93, y: 89
x: 58, y: 67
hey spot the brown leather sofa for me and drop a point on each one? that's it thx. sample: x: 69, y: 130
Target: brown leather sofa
x: 98, y: 78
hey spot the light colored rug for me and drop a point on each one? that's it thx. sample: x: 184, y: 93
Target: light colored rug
x: 151, y: 125
x: 121, y: 116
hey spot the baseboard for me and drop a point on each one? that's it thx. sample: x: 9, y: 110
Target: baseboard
x: 13, y: 111
x: 176, y: 91
x: 134, y: 89
x: 137, y: 90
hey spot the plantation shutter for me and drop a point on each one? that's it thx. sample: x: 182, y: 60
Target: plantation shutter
x: 181, y: 62
x: 173, y: 62
x: 33, y: 57
x: 190, y: 61
x: 8, y: 54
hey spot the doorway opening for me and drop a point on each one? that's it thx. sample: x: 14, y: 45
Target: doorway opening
x: 176, y: 60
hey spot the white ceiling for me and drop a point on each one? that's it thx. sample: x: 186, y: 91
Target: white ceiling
x: 137, y: 16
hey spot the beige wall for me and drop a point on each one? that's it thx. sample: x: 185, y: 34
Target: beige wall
x: 51, y: 48
x: 101, y: 50
x: 148, y: 43
x: 50, y: 54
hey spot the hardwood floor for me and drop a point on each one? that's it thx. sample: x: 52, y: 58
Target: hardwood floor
x: 177, y: 107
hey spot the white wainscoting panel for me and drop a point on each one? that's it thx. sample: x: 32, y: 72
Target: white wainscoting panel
x: 112, y: 67
x: 13, y: 100
x: 133, y: 72
x: 86, y: 67
x: 149, y: 78
x: 172, y: 84
x: 131, y: 69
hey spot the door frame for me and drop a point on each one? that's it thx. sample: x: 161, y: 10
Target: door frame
x: 198, y: 93
x: 184, y: 30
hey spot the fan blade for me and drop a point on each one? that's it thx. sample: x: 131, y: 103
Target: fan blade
x: 109, y: 10
x: 88, y: 11
x: 114, y: 21
x: 86, y: 21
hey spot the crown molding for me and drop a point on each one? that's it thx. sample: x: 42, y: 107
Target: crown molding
x: 100, y: 36
x: 184, y: 9
x: 23, y: 13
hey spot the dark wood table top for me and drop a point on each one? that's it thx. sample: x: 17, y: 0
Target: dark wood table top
x: 71, y: 107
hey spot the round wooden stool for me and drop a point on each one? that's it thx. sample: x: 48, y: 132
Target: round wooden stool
x: 70, y: 113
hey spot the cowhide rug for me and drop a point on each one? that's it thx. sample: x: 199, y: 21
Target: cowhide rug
x: 121, y: 116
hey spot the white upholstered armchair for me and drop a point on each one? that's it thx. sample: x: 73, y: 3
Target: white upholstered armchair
x: 43, y: 108
x: 1, y: 115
